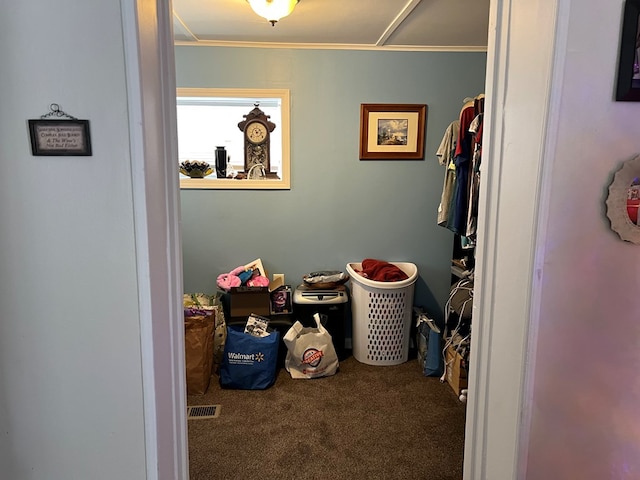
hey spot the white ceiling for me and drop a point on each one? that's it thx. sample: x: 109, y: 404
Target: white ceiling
x: 447, y: 25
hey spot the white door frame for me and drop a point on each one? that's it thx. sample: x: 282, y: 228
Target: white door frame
x: 522, y: 33
x: 521, y: 114
x: 151, y: 90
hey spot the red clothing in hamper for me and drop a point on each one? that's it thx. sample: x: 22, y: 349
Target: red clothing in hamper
x: 381, y: 271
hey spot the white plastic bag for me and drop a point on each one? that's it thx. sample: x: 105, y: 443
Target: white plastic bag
x: 310, y: 351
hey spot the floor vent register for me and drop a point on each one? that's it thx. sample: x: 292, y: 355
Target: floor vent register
x: 202, y: 412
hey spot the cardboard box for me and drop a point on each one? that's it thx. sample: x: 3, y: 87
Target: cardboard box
x: 456, y: 374
x: 243, y: 301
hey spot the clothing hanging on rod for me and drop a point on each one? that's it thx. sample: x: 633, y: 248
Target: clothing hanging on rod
x: 458, y: 205
x: 474, y: 175
x: 445, y: 154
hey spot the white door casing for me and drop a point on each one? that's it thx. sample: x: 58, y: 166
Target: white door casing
x: 520, y: 76
x: 150, y: 75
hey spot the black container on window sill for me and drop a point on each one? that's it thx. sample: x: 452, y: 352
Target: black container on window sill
x: 221, y: 162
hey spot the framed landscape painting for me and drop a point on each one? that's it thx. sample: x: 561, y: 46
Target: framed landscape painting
x: 392, y: 131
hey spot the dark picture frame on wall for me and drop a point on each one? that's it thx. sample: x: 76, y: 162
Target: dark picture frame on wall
x: 60, y: 137
x: 628, y: 84
x: 392, y: 131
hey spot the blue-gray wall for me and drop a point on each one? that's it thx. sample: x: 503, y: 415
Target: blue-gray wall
x: 339, y: 209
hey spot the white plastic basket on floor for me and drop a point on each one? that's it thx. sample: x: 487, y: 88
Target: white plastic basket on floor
x: 382, y: 313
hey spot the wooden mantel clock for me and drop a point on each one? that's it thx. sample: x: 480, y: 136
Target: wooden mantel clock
x: 257, y: 129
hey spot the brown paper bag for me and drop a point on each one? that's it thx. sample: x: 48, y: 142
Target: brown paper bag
x: 198, y: 342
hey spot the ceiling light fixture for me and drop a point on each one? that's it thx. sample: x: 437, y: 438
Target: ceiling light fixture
x: 273, y: 10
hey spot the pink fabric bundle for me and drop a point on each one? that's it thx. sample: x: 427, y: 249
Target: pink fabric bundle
x: 381, y: 271
x: 241, y: 276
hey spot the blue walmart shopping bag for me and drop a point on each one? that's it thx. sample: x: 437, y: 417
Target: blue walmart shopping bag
x: 249, y: 362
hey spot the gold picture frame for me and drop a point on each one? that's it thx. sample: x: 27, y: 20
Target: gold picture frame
x: 392, y: 131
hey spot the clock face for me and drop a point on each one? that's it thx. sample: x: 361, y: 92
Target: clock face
x: 256, y: 132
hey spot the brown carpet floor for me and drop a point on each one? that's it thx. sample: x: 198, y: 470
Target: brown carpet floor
x: 365, y: 422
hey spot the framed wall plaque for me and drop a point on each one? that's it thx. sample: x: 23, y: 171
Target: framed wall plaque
x: 60, y: 137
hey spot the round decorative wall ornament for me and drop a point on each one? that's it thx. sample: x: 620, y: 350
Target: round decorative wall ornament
x: 623, y: 201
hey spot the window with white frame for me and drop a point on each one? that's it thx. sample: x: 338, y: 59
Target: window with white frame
x: 207, y: 118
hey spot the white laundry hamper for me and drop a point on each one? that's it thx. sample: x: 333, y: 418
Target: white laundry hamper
x: 382, y: 314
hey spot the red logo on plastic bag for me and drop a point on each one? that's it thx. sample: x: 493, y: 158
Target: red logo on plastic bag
x: 312, y: 356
